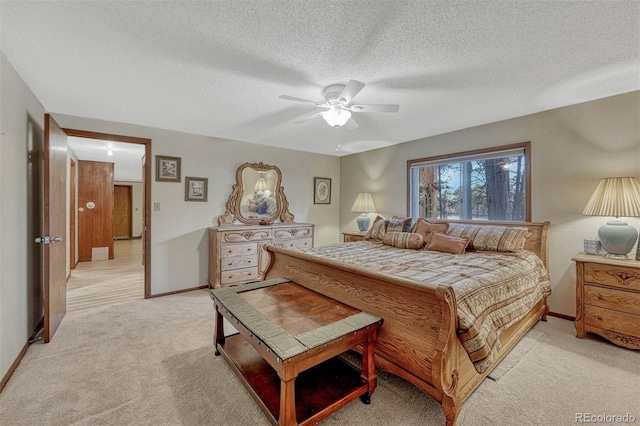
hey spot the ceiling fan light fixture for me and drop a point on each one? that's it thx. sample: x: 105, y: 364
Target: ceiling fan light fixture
x: 336, y: 117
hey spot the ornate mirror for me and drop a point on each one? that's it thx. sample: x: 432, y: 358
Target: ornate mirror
x: 257, y: 197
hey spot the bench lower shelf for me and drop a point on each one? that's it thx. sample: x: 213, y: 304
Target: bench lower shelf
x: 319, y: 391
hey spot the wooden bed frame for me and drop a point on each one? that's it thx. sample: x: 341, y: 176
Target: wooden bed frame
x: 418, y: 340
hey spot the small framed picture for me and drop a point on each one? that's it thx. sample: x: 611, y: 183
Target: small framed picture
x: 638, y: 250
x: 195, y: 188
x: 321, y: 190
x: 167, y: 169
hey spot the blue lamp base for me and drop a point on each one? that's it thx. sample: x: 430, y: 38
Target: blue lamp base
x: 363, y: 222
x: 617, y: 238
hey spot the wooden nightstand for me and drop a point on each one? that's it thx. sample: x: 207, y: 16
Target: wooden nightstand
x: 608, y: 299
x: 353, y: 236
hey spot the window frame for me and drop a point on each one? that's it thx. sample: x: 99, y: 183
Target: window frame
x: 525, y: 146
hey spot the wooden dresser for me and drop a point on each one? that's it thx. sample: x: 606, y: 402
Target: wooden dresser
x: 234, y: 250
x: 608, y: 299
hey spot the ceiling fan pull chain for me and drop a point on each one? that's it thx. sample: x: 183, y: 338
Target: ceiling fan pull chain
x: 338, y: 139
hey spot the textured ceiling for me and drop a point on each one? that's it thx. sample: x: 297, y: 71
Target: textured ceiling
x: 217, y: 68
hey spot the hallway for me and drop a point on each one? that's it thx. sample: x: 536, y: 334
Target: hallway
x: 103, y: 282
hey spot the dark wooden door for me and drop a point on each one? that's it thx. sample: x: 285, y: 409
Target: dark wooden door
x: 122, y: 211
x: 55, y: 222
x: 95, y: 209
x: 73, y: 208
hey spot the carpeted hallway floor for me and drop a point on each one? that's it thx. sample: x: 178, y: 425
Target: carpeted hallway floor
x: 151, y: 362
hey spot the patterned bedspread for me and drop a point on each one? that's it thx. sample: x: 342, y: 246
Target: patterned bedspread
x: 493, y: 290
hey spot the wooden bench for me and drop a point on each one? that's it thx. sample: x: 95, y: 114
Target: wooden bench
x: 285, y: 351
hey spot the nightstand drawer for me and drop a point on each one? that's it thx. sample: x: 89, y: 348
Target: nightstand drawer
x: 351, y: 237
x: 606, y: 319
x: 612, y: 275
x: 625, y: 301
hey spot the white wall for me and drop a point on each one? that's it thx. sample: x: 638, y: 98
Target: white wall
x: 16, y: 103
x: 137, y: 195
x: 179, y: 251
x: 572, y: 148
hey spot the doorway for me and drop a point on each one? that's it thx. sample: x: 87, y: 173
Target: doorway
x: 125, y: 273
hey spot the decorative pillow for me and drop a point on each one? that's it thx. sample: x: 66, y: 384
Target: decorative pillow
x: 404, y: 240
x: 447, y: 243
x: 398, y: 225
x: 425, y: 228
x: 413, y: 221
x: 491, y: 237
x: 376, y: 232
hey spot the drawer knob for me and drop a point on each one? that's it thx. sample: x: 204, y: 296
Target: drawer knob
x: 599, y: 318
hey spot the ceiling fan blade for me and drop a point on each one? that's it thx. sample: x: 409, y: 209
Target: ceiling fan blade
x: 308, y: 117
x: 375, y: 108
x: 351, y: 124
x: 304, y: 101
x: 352, y: 88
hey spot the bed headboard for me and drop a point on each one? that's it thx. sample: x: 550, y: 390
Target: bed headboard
x: 538, y: 242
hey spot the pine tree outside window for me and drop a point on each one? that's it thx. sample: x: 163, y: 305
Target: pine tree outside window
x: 486, y: 185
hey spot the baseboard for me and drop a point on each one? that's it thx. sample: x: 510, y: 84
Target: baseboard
x: 23, y: 351
x: 563, y: 316
x: 178, y: 291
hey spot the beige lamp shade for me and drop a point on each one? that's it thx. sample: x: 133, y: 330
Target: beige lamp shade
x: 363, y: 203
x: 617, y: 197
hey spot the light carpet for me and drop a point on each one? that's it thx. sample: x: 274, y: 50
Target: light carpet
x: 151, y: 362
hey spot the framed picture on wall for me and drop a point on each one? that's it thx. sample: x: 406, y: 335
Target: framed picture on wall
x: 638, y: 250
x: 321, y: 190
x: 195, y: 188
x: 167, y: 169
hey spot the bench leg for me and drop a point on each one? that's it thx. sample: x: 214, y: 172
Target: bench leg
x: 218, y: 334
x: 287, y: 403
x: 369, y: 366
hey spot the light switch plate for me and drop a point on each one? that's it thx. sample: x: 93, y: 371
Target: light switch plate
x: 156, y: 207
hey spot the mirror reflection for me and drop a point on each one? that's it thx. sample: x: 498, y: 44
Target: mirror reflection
x: 259, y: 194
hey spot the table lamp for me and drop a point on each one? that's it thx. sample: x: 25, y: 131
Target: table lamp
x: 364, y: 205
x: 617, y: 197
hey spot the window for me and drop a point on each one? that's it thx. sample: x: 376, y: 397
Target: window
x: 487, y: 184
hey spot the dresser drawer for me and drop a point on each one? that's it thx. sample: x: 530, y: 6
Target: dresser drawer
x: 293, y: 232
x: 607, y: 319
x: 612, y: 275
x: 233, y: 250
x: 247, y: 235
x: 608, y: 298
x: 230, y: 263
x: 298, y: 244
x: 238, y: 276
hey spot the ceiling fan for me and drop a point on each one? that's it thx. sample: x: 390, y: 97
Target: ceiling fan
x: 337, y: 101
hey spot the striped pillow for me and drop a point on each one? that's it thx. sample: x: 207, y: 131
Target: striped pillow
x: 403, y: 240
x: 491, y: 237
